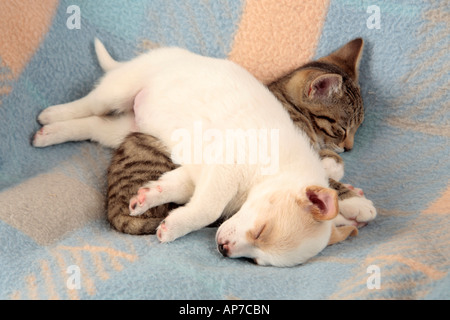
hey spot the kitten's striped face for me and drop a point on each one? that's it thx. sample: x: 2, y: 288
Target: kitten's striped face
x: 345, y: 104
x: 337, y: 117
x: 326, y: 91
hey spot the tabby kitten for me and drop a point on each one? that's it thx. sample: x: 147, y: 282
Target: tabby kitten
x: 322, y: 98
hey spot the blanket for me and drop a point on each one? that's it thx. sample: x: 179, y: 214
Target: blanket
x: 55, y: 242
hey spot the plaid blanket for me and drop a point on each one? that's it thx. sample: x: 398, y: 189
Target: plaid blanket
x: 55, y: 242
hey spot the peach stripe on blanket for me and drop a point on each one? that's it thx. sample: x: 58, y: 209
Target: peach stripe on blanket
x: 277, y: 36
x: 26, y: 23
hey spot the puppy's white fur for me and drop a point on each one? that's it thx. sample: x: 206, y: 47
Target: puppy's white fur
x: 171, y: 89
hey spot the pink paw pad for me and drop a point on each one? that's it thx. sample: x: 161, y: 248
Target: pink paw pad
x: 349, y: 186
x: 141, y: 195
x: 133, y: 204
x: 360, y: 192
x: 39, y: 133
x: 162, y: 228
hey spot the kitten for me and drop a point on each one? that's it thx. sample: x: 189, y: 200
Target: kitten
x: 315, y: 103
x: 139, y: 159
x: 323, y: 98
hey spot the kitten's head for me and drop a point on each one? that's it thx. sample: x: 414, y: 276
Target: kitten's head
x: 328, y: 89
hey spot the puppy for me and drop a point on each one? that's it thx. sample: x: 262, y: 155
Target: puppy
x: 280, y: 206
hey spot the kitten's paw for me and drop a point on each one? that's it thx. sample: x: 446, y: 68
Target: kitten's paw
x: 358, y: 191
x: 333, y: 169
x: 340, y: 220
x: 359, y: 209
x: 49, y: 135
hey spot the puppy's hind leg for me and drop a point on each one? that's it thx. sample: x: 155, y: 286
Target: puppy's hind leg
x: 108, y: 131
x: 115, y: 93
x: 63, y: 112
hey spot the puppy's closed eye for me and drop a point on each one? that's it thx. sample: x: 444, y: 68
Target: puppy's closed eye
x: 257, y: 233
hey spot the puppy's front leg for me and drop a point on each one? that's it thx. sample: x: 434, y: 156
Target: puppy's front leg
x: 214, y: 190
x: 173, y: 186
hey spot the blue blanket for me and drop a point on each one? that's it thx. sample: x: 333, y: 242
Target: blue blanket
x: 55, y: 242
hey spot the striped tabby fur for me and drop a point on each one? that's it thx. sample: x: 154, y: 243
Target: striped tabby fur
x: 322, y: 98
x: 139, y: 159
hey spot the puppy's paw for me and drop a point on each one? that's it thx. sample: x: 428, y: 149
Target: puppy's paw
x: 49, y: 135
x: 149, y: 196
x: 359, y: 209
x: 167, y: 231
x: 53, y: 114
x: 174, y: 226
x: 141, y: 202
x: 161, y: 232
x: 334, y: 169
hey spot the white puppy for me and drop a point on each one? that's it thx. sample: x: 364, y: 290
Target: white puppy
x: 282, y: 216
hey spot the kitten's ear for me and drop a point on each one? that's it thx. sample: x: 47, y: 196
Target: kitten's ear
x: 347, y: 57
x: 325, y: 86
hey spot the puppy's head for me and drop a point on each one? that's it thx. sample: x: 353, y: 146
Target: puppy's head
x: 282, y: 227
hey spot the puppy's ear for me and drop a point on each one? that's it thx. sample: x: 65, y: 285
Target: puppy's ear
x: 339, y: 234
x: 324, y: 202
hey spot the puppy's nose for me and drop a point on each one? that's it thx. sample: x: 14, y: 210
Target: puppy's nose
x: 223, y: 249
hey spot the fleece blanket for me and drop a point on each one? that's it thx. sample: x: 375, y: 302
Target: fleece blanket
x: 55, y: 242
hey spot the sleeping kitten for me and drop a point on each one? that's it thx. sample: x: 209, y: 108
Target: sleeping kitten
x: 322, y: 98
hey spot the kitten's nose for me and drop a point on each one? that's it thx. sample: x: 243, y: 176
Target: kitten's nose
x: 348, y: 143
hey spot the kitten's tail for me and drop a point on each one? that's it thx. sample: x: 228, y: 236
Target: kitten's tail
x: 104, y: 58
x: 119, y: 217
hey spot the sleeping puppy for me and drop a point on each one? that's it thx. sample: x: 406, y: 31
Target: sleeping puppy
x: 240, y: 155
